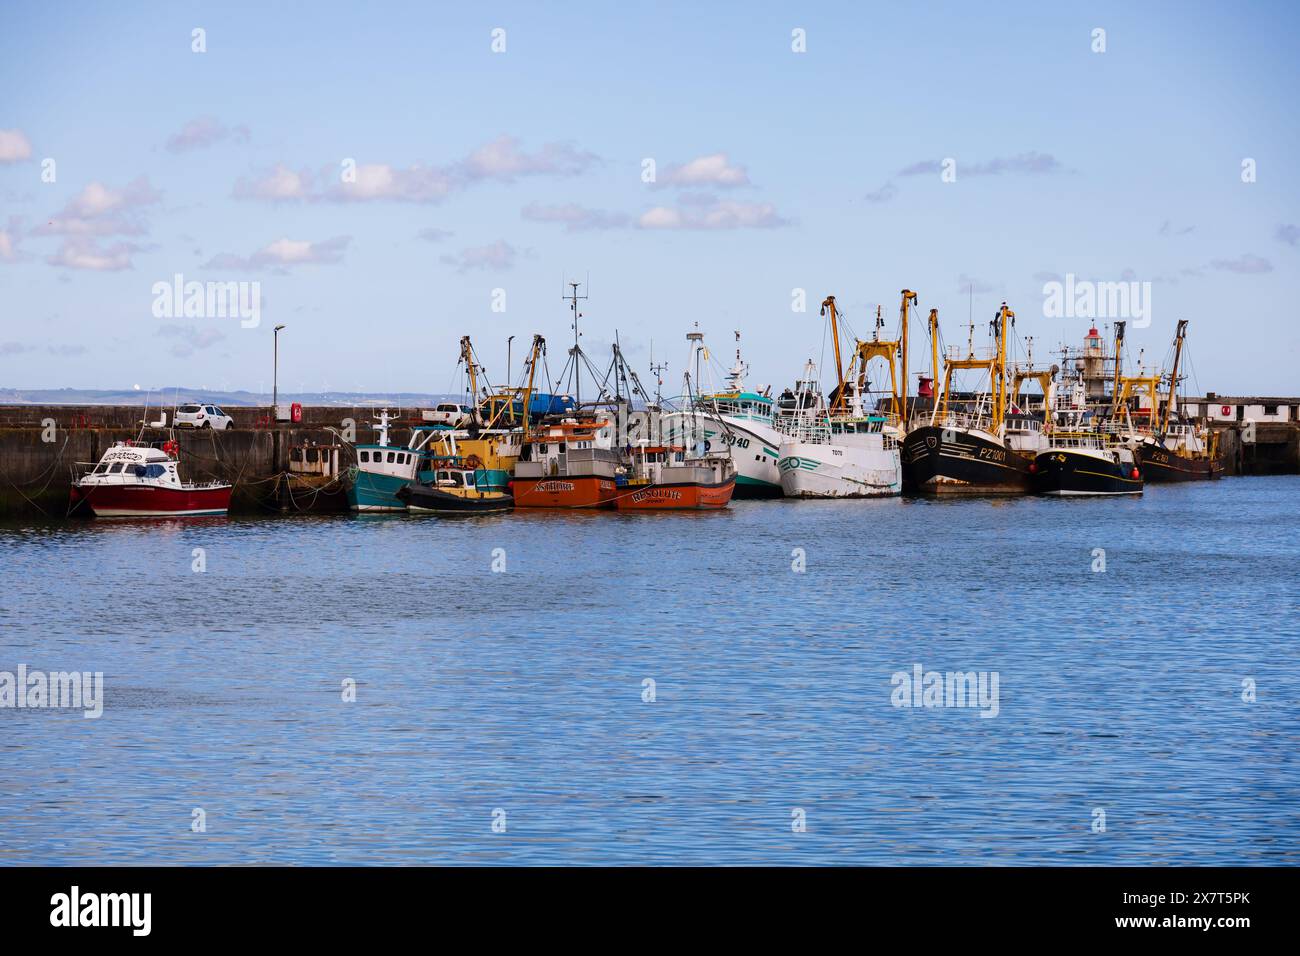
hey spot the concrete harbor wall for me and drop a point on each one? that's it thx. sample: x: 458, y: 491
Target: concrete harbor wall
x: 41, y: 446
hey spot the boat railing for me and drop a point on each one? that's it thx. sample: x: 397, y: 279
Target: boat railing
x: 964, y: 420
x: 593, y: 454
x: 1079, y: 440
x: 805, y: 427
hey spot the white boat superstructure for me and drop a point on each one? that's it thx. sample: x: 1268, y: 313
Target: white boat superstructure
x: 742, y: 420
x: 847, y: 455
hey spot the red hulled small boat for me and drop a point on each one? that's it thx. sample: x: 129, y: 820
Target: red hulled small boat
x: 567, y: 464
x: 140, y: 479
x: 663, y: 479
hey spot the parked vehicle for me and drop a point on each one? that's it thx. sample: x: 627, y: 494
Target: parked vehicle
x: 450, y: 415
x: 202, y: 416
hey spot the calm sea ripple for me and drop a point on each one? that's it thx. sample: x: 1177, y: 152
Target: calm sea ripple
x: 517, y: 696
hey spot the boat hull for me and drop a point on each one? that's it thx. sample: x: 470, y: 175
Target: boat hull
x: 583, y: 491
x: 755, y: 451
x: 818, y: 470
x: 1160, y: 464
x: 957, y: 461
x: 422, y: 498
x: 1069, y: 473
x: 372, y: 491
x: 148, y: 501
x: 686, y: 496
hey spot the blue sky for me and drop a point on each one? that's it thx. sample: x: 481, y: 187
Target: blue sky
x: 775, y: 171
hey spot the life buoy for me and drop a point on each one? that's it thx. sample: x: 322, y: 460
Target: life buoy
x: 170, y: 447
x: 1225, y: 409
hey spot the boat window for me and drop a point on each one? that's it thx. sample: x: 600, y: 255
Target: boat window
x: 365, y: 456
x: 155, y: 471
x: 392, y: 457
x: 680, y: 456
x: 312, y: 454
x: 101, y: 468
x: 295, y: 454
x: 116, y: 467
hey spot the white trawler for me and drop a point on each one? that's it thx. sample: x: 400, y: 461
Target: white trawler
x: 847, y: 454
x: 741, y: 419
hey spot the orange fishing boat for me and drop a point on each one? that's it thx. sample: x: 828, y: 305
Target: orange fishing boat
x: 663, y: 479
x: 569, y: 463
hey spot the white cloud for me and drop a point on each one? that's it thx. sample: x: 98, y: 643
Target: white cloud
x: 504, y: 160
x: 381, y: 181
x: 501, y: 160
x: 10, y: 236
x: 81, y: 252
x: 14, y: 146
x: 715, y: 214
x: 496, y: 257
x: 283, y: 254
x: 433, y: 234
x: 100, y: 210
x: 1031, y: 162
x: 203, y: 132
x: 711, y: 170
x: 575, y: 218
x: 1245, y: 265
x: 192, y: 338
x: 279, y: 185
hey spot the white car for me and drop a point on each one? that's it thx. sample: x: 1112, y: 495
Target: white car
x: 202, y: 416
x: 450, y: 414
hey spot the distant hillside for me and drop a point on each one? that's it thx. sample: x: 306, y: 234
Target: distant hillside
x: 177, y: 395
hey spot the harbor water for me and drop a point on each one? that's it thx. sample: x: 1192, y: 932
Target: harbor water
x: 538, y: 688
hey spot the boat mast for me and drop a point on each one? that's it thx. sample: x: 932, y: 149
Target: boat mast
x: 1173, y: 376
x: 999, y: 377
x: 934, y: 347
x: 1119, y: 349
x: 467, y: 356
x: 573, y: 298
x: 538, y: 344
x: 908, y: 295
x: 829, y: 302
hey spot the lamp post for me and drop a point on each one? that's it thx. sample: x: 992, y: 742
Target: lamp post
x: 275, y: 378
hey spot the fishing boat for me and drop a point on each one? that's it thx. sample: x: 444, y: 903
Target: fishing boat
x: 744, y: 420
x: 841, y: 451
x: 314, y: 483
x: 1086, y: 463
x: 455, y: 489
x: 381, y: 469
x: 142, y: 479
x: 571, y: 462
x: 1180, y: 451
x: 966, y: 450
x: 663, y: 478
